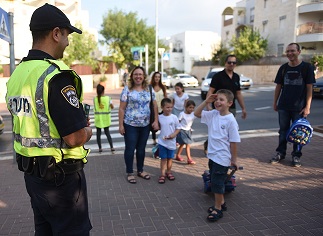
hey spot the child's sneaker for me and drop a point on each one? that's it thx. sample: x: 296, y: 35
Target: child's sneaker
x: 296, y: 161
x: 277, y: 158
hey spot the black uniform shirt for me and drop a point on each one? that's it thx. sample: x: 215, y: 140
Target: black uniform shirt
x: 221, y: 80
x: 68, y: 116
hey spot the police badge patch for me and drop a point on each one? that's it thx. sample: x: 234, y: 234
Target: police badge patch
x: 69, y: 93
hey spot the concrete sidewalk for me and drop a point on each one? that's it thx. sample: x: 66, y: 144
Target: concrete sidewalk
x: 269, y: 199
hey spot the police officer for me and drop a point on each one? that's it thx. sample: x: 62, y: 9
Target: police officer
x: 50, y: 128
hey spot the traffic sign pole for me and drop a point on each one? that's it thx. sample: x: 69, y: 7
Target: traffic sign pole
x: 11, y: 44
x: 146, y: 54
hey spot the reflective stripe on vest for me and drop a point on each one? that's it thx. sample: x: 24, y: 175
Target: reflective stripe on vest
x: 40, y: 142
x: 102, y: 113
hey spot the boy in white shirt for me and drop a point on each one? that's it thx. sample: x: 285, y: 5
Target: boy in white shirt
x: 222, y: 148
x: 169, y: 128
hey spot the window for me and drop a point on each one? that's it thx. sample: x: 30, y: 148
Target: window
x: 265, y: 3
x: 280, y: 49
x: 252, y: 14
x: 282, y: 22
x: 264, y: 26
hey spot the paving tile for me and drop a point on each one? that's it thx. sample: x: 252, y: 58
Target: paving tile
x: 269, y: 199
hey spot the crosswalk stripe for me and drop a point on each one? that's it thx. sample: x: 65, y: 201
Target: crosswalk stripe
x: 117, y: 138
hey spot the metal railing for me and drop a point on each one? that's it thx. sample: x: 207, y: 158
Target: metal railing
x: 310, y: 27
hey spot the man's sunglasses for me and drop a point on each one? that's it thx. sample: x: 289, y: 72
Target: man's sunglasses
x: 232, y: 62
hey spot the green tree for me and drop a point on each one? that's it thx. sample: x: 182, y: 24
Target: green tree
x: 121, y: 31
x: 317, y: 60
x: 249, y: 45
x: 220, y: 54
x: 80, y: 48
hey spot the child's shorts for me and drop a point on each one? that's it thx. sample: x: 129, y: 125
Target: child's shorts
x: 165, y: 152
x: 218, y: 176
x: 184, y: 137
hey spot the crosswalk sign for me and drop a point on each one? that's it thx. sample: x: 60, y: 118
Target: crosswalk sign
x: 135, y: 55
x: 166, y: 57
x: 4, y: 26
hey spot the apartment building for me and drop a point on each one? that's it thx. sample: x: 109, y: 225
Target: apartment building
x: 190, y: 46
x: 23, y: 9
x: 280, y: 21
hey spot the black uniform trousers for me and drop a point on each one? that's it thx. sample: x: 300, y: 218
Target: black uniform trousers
x: 59, y: 209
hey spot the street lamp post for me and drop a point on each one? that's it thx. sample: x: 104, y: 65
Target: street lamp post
x: 156, y: 40
x: 161, y: 52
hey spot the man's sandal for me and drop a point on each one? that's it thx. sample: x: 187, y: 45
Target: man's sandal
x: 131, y: 179
x: 161, y: 179
x: 212, y: 208
x: 143, y: 175
x: 215, y: 215
x: 170, y: 176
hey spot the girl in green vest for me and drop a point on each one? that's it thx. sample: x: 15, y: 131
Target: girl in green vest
x: 102, y: 116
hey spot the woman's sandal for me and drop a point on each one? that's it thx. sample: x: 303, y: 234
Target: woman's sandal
x: 161, y: 179
x: 131, y: 179
x: 144, y: 175
x: 215, y: 216
x: 191, y: 162
x: 178, y: 158
x: 170, y: 176
x: 113, y: 150
x: 212, y: 208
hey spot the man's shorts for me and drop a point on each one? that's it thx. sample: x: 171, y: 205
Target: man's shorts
x: 218, y: 176
x: 165, y: 152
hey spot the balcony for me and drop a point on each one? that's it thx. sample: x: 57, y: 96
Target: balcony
x: 306, y: 6
x: 310, y: 32
x: 228, y: 22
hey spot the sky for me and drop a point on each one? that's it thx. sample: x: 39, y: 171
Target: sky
x: 174, y: 16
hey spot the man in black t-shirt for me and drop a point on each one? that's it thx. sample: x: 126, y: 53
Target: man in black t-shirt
x: 228, y: 79
x: 294, y: 84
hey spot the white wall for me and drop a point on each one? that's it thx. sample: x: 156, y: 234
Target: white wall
x: 191, y: 46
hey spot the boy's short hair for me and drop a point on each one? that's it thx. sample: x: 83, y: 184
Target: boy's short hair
x: 164, y: 101
x: 227, y: 93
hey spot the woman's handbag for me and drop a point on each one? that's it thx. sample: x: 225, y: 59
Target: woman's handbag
x: 151, y: 106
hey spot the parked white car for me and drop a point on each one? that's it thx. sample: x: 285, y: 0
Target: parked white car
x: 245, y: 82
x: 186, y: 79
x: 207, y: 80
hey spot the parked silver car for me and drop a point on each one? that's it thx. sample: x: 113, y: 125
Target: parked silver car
x: 186, y: 79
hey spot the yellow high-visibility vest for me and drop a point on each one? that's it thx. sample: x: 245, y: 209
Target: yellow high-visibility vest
x: 34, y: 131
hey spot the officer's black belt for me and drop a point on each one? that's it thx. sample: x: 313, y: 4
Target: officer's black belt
x: 41, y: 166
x: 71, y: 166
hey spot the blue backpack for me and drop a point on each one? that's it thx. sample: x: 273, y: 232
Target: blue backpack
x: 300, y: 132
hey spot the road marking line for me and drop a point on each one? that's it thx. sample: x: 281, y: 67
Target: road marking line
x: 262, y: 108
